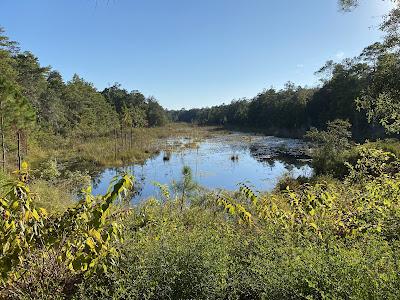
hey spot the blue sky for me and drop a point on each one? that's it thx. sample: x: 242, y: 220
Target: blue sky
x: 191, y: 53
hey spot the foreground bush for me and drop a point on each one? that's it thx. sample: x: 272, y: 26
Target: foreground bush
x: 43, y: 253
x: 200, y: 255
x: 336, y: 240
x: 325, y: 240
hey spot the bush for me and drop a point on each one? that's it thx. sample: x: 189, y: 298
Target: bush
x: 324, y: 240
x: 78, y: 240
x: 331, y: 148
x: 333, y: 240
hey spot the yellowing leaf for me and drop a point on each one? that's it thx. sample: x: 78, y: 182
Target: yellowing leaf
x: 35, y: 215
x: 15, y: 205
x: 313, y: 225
x: 24, y: 165
x: 95, y: 234
x: 43, y: 211
x: 91, y: 243
x: 6, y: 246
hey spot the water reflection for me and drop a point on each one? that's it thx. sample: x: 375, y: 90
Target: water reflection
x: 220, y: 162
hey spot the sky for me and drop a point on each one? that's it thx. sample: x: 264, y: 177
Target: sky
x: 190, y: 53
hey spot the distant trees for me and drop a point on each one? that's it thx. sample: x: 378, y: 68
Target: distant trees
x: 34, y: 98
x: 88, y: 112
x: 140, y: 111
x: 156, y: 115
x: 363, y: 90
x: 285, y: 108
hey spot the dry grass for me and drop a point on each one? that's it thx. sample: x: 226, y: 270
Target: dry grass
x: 133, y: 147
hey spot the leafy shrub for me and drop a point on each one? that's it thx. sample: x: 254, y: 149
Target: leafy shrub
x: 323, y: 240
x: 331, y: 146
x: 373, y: 163
x: 326, y: 240
x: 288, y: 181
x: 80, y: 238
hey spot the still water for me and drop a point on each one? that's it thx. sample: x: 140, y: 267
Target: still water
x: 218, y: 163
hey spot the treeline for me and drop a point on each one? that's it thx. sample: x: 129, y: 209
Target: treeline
x: 36, y: 99
x: 363, y: 90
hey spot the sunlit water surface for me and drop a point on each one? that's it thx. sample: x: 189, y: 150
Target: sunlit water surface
x: 213, y: 166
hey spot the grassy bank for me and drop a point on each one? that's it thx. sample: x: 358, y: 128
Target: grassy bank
x: 61, y: 166
x: 133, y: 146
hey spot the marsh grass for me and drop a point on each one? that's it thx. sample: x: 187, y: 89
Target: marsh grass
x: 52, y: 198
x: 112, y: 151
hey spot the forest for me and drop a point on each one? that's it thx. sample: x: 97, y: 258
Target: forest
x: 360, y: 89
x: 35, y: 100
x: 332, y: 235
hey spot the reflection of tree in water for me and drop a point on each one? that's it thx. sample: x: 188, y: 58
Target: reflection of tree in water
x: 289, y: 164
x: 268, y: 162
x: 238, y: 147
x: 96, y: 181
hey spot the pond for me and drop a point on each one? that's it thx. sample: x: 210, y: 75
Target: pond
x: 220, y: 162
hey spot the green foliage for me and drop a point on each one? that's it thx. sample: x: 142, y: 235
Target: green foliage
x: 156, y: 115
x: 134, y: 109
x: 186, y: 187
x: 380, y: 100
x: 21, y: 226
x: 34, y: 98
x: 81, y: 237
x: 330, y: 145
x: 336, y: 240
x: 373, y: 163
x: 178, y: 255
x: 88, y: 112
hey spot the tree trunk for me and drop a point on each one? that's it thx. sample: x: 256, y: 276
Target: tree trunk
x: 26, y: 144
x: 3, y: 144
x: 122, y: 137
x: 131, y: 143
x: 115, y: 144
x: 19, y: 150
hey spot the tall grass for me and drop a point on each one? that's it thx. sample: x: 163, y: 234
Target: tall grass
x: 113, y: 150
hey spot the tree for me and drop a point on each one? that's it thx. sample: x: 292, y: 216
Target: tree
x: 88, y: 112
x: 329, y: 146
x: 16, y: 115
x: 31, y: 77
x: 186, y: 186
x: 53, y: 105
x: 156, y: 114
x: 7, y: 75
x: 380, y: 98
